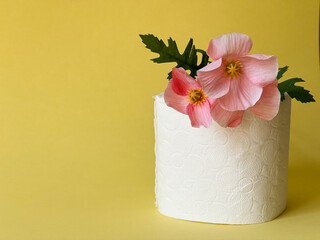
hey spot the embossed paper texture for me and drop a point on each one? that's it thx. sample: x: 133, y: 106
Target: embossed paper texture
x: 221, y: 175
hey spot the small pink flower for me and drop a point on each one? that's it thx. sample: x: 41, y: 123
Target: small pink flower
x: 234, y: 77
x: 185, y: 95
x: 266, y: 108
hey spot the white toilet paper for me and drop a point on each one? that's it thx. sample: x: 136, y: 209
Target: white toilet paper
x: 221, y: 175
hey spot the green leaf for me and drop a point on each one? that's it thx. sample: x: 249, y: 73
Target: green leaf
x: 294, y: 91
x: 152, y: 42
x: 170, y: 53
x: 282, y: 71
x: 205, y: 58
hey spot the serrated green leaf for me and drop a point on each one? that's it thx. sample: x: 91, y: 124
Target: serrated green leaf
x: 301, y: 95
x: 294, y: 91
x: 187, y: 51
x: 152, y: 42
x: 282, y: 71
x: 170, y: 53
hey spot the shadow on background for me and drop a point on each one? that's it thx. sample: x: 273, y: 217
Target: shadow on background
x: 303, y: 189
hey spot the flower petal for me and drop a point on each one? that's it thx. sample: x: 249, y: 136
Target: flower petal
x: 182, y: 81
x: 214, y: 82
x: 260, y: 56
x: 268, y: 105
x: 242, y: 95
x: 235, y: 123
x: 229, y: 45
x: 174, y: 100
x: 224, y: 117
x: 200, y: 114
x: 260, y: 69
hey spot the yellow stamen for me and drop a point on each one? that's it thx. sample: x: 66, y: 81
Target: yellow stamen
x: 196, y: 96
x: 233, y: 68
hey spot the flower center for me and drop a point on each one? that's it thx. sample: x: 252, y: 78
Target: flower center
x: 233, y: 68
x: 196, y: 96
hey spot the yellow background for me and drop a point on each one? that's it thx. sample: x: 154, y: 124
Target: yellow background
x: 76, y: 114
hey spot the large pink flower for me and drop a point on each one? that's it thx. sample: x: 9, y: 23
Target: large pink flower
x: 235, y: 78
x: 185, y: 95
x: 266, y: 108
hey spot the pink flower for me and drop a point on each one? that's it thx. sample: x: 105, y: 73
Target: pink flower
x: 185, y: 95
x: 266, y: 108
x: 235, y: 78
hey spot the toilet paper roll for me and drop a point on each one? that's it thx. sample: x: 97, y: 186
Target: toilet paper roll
x: 221, y: 175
